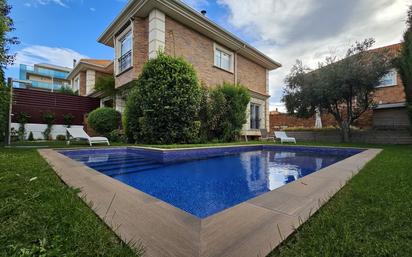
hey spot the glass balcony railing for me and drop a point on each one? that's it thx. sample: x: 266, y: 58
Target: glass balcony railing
x: 43, y: 71
x: 44, y: 85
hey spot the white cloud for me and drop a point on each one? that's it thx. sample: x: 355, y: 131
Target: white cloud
x: 44, y: 54
x: 310, y: 30
x: 62, y: 3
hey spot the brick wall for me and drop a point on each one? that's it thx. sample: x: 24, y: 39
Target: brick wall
x: 140, y: 51
x: 197, y: 49
x: 394, y: 94
x: 251, y: 75
x: 279, y: 120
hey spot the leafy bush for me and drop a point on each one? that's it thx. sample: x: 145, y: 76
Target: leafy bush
x: 163, y: 106
x: 48, y: 118
x: 22, y: 119
x: 104, y: 120
x: 68, y: 119
x: 60, y: 137
x: 68, y: 90
x: 224, y: 112
x: 105, y: 84
x: 31, y: 137
x: 117, y: 136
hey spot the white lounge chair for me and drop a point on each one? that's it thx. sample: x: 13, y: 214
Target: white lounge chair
x: 78, y: 133
x: 284, y: 138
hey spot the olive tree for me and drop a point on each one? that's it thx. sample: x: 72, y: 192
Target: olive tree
x: 405, y: 63
x: 342, y: 87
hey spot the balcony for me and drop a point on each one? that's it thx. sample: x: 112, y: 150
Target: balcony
x: 43, y: 72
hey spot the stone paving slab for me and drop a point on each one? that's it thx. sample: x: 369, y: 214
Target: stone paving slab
x: 252, y: 228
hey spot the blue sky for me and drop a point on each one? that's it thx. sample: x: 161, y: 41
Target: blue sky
x: 56, y: 31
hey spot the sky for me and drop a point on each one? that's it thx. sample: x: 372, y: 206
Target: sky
x: 58, y: 31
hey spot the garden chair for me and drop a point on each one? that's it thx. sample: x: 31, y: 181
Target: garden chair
x: 284, y: 138
x: 264, y: 135
x: 78, y: 133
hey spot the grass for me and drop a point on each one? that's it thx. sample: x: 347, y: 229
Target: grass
x: 370, y: 216
x: 40, y: 216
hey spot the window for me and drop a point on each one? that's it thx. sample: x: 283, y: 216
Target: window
x: 254, y: 116
x: 223, y: 59
x: 125, y: 52
x: 389, y: 79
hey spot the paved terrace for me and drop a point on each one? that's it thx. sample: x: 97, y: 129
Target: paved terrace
x: 252, y: 228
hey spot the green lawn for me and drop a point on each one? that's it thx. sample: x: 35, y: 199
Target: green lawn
x: 371, y: 216
x: 43, y: 217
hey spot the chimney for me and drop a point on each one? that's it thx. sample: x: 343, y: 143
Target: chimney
x: 203, y: 12
x: 74, y: 63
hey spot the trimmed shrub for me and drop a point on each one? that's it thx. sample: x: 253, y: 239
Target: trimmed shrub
x: 60, y: 137
x: 31, y: 137
x: 22, y: 119
x: 104, y: 120
x: 48, y: 118
x: 225, y: 112
x: 164, y: 105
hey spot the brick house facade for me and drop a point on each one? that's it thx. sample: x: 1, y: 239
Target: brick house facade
x: 145, y: 27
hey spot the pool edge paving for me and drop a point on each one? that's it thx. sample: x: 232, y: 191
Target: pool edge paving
x: 251, y: 228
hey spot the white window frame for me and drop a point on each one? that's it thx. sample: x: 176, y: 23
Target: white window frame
x: 254, y: 105
x: 118, y: 49
x: 216, y: 48
x: 394, y: 73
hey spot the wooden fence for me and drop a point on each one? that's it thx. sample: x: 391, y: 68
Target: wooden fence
x: 35, y: 103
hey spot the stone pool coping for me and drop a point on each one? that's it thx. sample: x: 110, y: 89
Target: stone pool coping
x: 251, y: 228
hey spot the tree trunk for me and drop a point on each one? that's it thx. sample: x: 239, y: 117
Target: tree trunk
x: 345, y: 132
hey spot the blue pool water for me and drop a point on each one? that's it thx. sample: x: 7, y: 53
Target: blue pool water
x: 206, y: 186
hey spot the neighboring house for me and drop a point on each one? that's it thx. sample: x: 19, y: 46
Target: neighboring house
x: 145, y: 27
x: 389, y: 112
x: 43, y: 76
x: 390, y: 98
x: 85, y: 74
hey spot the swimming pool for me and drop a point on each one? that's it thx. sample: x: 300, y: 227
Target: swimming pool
x: 206, y: 181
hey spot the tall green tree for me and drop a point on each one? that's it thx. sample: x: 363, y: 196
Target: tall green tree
x: 163, y: 106
x: 6, y: 26
x: 223, y: 112
x: 342, y: 87
x: 106, y: 84
x: 405, y: 63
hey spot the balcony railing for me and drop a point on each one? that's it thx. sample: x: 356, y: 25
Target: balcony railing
x: 44, y: 85
x: 125, y: 61
x: 43, y: 72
